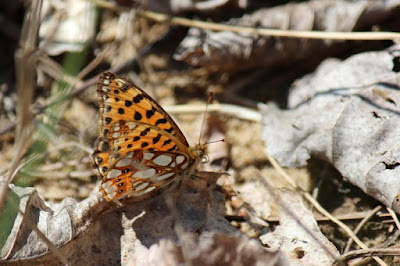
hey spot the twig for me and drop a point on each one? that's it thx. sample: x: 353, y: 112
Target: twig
x: 37, y: 156
x: 351, y: 217
x: 339, y: 223
x: 390, y: 240
x: 368, y: 253
x: 394, y: 216
x: 159, y: 17
x: 280, y: 170
x: 270, y: 32
x: 294, y: 216
x: 319, y: 208
x: 360, y: 225
x: 94, y: 63
x: 366, y: 260
x: 227, y: 109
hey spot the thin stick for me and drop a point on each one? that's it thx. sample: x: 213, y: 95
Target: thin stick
x: 342, y: 225
x: 236, y: 111
x: 319, y: 208
x: 294, y: 216
x: 280, y: 170
x: 239, y: 112
x: 368, y: 253
x: 394, y: 216
x: 366, y: 260
x: 38, y: 156
x: 163, y: 18
x: 351, y: 217
x: 270, y: 32
x: 360, y: 225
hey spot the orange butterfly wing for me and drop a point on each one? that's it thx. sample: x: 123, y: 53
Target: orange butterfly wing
x: 140, y: 148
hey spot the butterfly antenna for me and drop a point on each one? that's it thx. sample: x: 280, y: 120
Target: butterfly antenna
x: 215, y: 141
x: 210, y: 95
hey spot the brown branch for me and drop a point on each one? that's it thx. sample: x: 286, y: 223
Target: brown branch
x: 360, y: 225
x: 367, y: 253
x: 163, y: 18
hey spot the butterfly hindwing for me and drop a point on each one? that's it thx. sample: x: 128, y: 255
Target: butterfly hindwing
x: 141, y: 172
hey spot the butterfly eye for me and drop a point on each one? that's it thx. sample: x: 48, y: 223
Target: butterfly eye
x: 205, y: 159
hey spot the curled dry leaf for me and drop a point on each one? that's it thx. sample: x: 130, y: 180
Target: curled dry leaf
x: 231, y: 51
x: 112, y: 232
x: 292, y: 239
x: 60, y: 224
x: 346, y: 113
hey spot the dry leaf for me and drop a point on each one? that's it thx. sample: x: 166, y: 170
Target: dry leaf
x: 230, y: 51
x: 346, y: 113
x: 208, y: 249
x: 292, y: 239
x: 113, y: 232
x: 68, y: 24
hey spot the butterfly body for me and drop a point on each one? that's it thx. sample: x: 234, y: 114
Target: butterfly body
x: 140, y: 148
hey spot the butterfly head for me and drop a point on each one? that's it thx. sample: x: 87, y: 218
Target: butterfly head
x: 200, y: 152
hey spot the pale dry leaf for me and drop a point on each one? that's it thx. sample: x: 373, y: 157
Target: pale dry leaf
x: 76, y: 228
x: 253, y: 194
x: 60, y: 223
x: 346, y: 113
x: 208, y: 249
x: 231, y: 51
x: 293, y: 240
x: 68, y: 24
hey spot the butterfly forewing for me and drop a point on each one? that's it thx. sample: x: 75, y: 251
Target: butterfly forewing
x: 140, y: 148
x: 121, y: 100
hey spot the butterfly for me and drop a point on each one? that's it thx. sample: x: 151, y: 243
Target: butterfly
x: 140, y: 148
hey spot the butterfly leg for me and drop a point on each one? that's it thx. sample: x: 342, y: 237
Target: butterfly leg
x: 205, y: 190
x: 172, y: 199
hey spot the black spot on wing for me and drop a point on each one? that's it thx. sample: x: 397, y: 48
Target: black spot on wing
x: 173, y: 148
x: 169, y: 130
x: 137, y: 116
x: 168, y: 141
x: 145, y: 144
x: 150, y: 113
x: 161, y: 121
x: 156, y: 139
x: 137, y: 98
